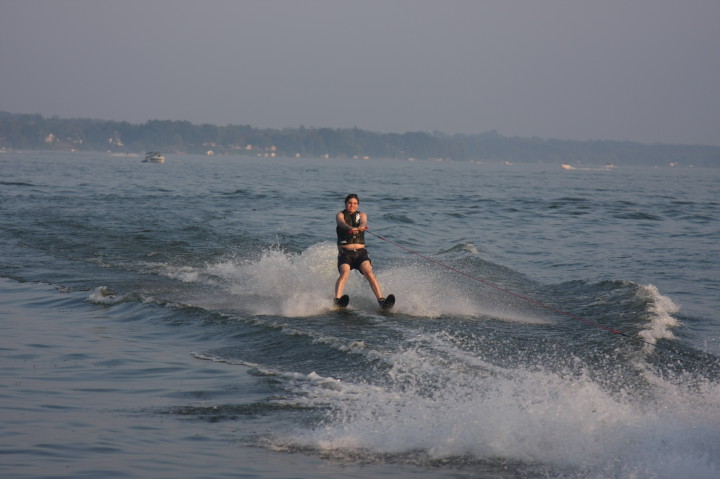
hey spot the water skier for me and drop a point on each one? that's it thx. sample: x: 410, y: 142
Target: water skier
x: 350, y: 229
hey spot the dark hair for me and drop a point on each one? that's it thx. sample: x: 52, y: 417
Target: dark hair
x: 352, y: 195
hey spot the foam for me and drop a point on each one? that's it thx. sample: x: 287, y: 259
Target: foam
x: 302, y: 284
x: 561, y: 421
x: 439, y: 401
x: 104, y: 295
x: 659, y: 311
x: 285, y: 284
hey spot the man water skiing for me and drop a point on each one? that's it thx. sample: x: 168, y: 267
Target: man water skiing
x: 350, y: 229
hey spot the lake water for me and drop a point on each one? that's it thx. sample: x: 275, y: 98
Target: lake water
x: 175, y: 320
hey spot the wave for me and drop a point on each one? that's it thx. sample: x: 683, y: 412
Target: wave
x: 301, y: 284
x: 443, y: 396
x: 637, y: 215
x: 105, y: 296
x: 659, y: 314
x: 15, y: 183
x: 395, y: 218
x: 279, y: 283
x: 464, y: 410
x: 466, y: 247
x: 459, y: 374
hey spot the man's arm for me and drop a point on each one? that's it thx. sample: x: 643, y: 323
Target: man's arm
x: 363, y: 222
x: 340, y: 220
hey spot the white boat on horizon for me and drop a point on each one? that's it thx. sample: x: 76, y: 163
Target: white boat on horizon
x: 153, y: 157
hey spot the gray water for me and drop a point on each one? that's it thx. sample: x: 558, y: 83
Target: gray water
x: 174, y: 320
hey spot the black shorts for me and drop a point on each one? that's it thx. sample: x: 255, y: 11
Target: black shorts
x: 353, y: 257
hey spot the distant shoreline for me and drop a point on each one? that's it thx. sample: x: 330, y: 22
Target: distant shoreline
x: 35, y: 132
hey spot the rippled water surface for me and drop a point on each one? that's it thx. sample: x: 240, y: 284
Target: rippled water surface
x: 174, y: 320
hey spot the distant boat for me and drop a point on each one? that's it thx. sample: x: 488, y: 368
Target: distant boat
x: 153, y: 157
x: 607, y: 167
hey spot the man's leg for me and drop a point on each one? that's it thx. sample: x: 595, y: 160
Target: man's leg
x: 342, y: 279
x: 367, y: 271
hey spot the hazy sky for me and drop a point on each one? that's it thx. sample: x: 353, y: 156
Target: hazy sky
x: 639, y: 70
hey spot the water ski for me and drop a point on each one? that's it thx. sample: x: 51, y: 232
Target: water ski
x: 342, y: 301
x: 387, y: 303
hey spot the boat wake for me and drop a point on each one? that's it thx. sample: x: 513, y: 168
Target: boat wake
x: 460, y: 374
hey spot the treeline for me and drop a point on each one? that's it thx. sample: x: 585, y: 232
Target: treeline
x: 22, y: 131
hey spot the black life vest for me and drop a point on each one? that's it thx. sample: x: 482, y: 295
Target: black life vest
x: 346, y: 237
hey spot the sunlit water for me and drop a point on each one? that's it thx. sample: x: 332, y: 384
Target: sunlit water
x: 175, y: 320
